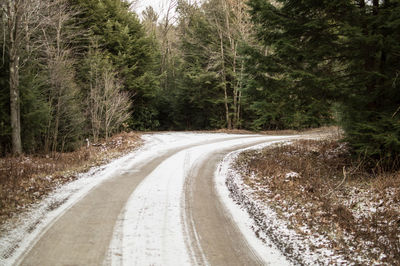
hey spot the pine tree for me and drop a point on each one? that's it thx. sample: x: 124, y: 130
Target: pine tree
x: 201, y: 101
x: 339, y: 51
x: 122, y: 38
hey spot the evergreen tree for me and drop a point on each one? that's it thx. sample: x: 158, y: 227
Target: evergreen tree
x: 38, y: 30
x: 211, y: 38
x: 122, y: 38
x: 5, y: 127
x: 201, y: 95
x: 19, y: 21
x: 290, y: 86
x: 340, y: 51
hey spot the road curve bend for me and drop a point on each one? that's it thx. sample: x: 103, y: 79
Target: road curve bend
x: 164, y: 211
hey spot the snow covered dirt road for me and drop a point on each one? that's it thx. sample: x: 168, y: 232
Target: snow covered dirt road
x: 157, y: 207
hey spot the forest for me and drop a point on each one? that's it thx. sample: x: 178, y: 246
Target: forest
x: 86, y: 69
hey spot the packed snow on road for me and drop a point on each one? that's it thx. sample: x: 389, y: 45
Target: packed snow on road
x: 152, y: 227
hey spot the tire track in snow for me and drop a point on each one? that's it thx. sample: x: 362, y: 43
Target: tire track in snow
x: 81, y: 231
x: 152, y: 229
x: 86, y: 220
x: 157, y: 228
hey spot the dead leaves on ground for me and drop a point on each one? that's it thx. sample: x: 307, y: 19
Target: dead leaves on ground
x: 315, y: 184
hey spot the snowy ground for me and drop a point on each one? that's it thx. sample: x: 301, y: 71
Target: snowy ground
x: 224, y: 177
x: 264, y: 222
x: 154, y: 209
x: 297, y: 198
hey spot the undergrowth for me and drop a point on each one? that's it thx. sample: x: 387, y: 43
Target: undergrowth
x: 27, y: 179
x: 314, y: 184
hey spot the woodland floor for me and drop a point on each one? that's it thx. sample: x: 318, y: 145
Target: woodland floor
x: 331, y: 205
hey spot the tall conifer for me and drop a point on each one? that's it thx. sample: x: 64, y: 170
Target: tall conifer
x: 342, y: 51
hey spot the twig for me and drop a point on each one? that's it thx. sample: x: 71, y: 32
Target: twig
x: 395, y: 113
x: 341, y: 183
x: 395, y: 79
x: 344, y: 177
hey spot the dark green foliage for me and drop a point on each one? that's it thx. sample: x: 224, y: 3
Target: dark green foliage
x: 206, y: 71
x: 336, y: 51
x: 53, y: 80
x: 5, y: 127
x: 35, y: 111
x: 277, y: 102
x: 200, y: 106
x: 373, y: 92
x: 291, y: 84
x: 199, y: 98
x: 122, y: 38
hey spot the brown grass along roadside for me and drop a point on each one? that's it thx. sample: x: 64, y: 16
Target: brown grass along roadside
x: 25, y: 180
x: 313, y: 183
x: 322, y: 131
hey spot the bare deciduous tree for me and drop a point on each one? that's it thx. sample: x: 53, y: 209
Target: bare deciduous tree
x: 232, y: 24
x: 168, y: 38
x: 108, y: 106
x: 239, y: 30
x: 62, y: 90
x: 116, y: 103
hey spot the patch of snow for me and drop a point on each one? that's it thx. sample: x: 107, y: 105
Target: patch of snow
x: 292, y: 175
x: 262, y: 244
x: 152, y: 219
x: 32, y: 225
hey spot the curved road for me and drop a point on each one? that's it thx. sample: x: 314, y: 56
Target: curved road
x: 162, y: 212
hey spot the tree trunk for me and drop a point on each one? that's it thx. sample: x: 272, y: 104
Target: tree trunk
x: 15, y: 103
x: 238, y: 96
x: 56, y: 124
x: 13, y: 32
x: 230, y: 34
x: 238, y: 110
x: 223, y: 74
x: 235, y: 87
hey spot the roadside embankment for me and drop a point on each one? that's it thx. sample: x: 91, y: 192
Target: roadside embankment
x: 317, y: 205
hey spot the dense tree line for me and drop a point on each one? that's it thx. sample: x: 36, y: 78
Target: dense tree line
x: 76, y: 69
x: 71, y: 70
x: 342, y: 52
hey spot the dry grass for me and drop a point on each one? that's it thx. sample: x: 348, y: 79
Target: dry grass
x: 331, y: 131
x: 314, y: 184
x: 27, y: 179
